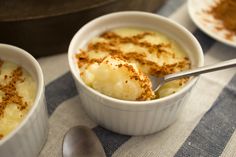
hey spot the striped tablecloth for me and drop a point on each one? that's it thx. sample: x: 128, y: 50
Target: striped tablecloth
x: 206, y: 126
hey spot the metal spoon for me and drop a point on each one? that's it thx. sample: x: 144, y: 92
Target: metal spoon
x: 81, y: 141
x: 158, y: 82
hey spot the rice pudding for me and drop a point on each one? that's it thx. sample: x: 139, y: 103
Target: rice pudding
x: 17, y: 94
x: 118, y: 62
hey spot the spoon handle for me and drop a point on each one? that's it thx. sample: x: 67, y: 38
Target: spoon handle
x: 201, y: 70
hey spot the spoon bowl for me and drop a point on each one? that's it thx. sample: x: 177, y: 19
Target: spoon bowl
x: 80, y: 141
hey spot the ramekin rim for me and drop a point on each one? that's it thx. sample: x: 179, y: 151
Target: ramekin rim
x: 135, y: 103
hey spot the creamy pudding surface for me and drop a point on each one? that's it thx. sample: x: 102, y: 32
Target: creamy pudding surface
x: 17, y: 94
x: 118, y: 62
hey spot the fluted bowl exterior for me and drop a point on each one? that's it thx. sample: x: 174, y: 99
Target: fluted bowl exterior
x: 133, y: 117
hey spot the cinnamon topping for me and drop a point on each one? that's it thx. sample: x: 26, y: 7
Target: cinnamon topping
x: 10, y: 93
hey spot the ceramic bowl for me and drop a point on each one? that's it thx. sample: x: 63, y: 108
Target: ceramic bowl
x: 133, y: 117
x: 28, y: 138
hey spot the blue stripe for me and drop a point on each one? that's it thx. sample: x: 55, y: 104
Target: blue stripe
x: 111, y: 141
x: 214, y: 130
x: 205, y: 41
x: 59, y: 90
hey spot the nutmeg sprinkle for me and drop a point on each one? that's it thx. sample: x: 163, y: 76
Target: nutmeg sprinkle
x: 10, y: 93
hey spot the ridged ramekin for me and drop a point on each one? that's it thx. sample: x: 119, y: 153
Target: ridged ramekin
x: 29, y: 137
x: 133, y: 117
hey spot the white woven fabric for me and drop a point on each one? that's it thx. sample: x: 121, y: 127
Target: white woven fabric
x: 169, y: 141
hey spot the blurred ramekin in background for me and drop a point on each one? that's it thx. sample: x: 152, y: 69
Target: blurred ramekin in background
x: 28, y: 138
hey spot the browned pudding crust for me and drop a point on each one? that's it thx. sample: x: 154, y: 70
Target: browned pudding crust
x: 1, y: 136
x: 112, y: 46
x: 225, y: 10
x: 10, y: 93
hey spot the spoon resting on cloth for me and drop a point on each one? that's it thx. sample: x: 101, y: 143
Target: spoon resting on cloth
x: 158, y: 82
x: 80, y: 141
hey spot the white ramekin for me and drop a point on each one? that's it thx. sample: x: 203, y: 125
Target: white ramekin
x: 133, y: 117
x: 29, y: 137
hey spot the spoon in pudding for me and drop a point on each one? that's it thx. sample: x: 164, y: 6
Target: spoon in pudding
x: 80, y: 141
x: 158, y: 82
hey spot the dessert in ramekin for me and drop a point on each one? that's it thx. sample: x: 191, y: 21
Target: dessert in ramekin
x: 117, y: 113
x: 23, y: 114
